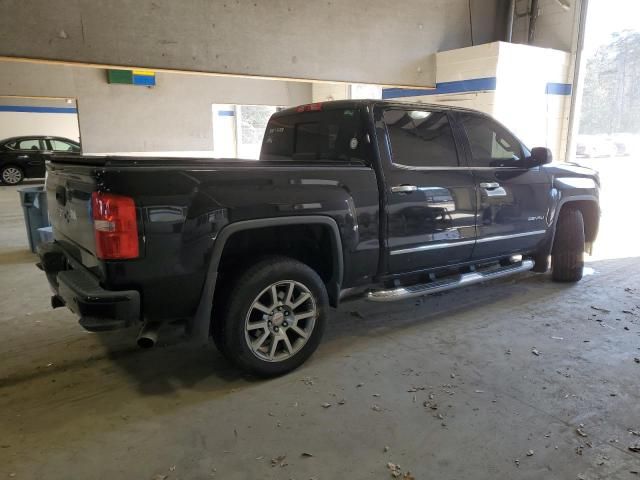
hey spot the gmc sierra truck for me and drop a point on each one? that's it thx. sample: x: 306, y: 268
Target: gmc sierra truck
x: 349, y: 198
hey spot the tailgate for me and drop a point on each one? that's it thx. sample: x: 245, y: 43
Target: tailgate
x: 69, y: 188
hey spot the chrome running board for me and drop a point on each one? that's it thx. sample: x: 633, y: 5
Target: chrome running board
x: 462, y: 280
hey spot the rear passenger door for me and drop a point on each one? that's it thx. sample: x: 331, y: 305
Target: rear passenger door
x: 430, y: 206
x: 28, y: 154
x: 513, y: 199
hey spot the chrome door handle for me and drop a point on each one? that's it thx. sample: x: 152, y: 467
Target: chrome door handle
x: 489, y: 185
x: 23, y: 156
x: 404, y: 188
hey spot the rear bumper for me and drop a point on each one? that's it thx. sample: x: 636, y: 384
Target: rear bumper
x: 79, y: 289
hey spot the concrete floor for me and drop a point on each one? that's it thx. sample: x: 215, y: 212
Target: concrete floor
x: 75, y: 405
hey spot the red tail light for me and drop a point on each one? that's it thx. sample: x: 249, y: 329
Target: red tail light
x: 311, y: 107
x: 114, y: 222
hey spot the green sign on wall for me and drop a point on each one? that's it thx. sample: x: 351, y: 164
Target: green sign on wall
x: 145, y: 78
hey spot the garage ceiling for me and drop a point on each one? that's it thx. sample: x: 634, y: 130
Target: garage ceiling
x: 340, y: 40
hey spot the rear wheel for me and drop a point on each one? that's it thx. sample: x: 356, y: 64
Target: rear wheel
x: 273, y: 318
x: 11, y: 175
x: 567, y: 256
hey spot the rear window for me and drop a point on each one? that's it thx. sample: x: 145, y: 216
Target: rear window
x: 333, y: 135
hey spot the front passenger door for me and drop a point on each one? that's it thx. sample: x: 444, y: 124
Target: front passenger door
x: 513, y: 200
x: 29, y: 156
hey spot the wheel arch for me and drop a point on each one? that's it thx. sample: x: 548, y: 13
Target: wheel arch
x: 590, y: 209
x: 198, y: 326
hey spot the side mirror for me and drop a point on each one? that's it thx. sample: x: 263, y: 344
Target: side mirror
x: 540, y: 156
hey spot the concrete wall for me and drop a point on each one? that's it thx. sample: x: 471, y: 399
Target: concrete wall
x: 323, y: 92
x: 175, y: 115
x: 555, y: 27
x: 56, y: 118
x: 376, y: 41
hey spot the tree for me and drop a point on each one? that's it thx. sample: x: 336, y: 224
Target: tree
x: 611, y: 99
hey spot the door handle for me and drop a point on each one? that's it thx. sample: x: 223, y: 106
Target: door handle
x: 23, y: 156
x: 489, y: 185
x: 404, y: 188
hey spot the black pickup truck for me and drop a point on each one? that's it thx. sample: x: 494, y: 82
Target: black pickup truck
x: 349, y: 198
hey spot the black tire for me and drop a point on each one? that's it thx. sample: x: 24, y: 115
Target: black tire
x: 228, y: 327
x: 567, y: 256
x: 11, y: 175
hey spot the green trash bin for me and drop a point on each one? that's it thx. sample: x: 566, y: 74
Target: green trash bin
x: 36, y: 216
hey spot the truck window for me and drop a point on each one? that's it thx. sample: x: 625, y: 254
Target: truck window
x: 420, y: 138
x: 491, y: 144
x: 334, y: 135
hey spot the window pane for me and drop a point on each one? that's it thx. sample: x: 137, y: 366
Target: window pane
x: 60, y: 146
x: 420, y: 138
x: 31, y: 144
x: 491, y: 144
x: 318, y: 135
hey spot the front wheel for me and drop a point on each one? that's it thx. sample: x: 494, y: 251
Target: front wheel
x: 567, y: 256
x: 11, y: 175
x: 273, y: 318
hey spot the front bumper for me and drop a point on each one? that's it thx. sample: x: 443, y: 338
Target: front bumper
x: 79, y: 289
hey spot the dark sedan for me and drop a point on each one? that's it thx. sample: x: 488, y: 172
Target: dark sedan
x: 24, y: 157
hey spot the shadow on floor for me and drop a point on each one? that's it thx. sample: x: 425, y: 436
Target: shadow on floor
x: 177, y: 364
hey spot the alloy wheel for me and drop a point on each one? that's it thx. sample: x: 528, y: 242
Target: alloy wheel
x: 280, y: 321
x: 11, y: 175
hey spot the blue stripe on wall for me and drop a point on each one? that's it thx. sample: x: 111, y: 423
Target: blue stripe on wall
x: 459, y: 86
x: 22, y: 108
x: 558, y: 89
x: 226, y: 113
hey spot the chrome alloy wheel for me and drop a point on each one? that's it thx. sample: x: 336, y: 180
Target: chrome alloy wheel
x: 11, y: 175
x: 280, y: 321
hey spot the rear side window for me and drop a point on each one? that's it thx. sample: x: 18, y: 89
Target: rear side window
x: 420, y: 138
x: 334, y: 135
x: 29, y: 144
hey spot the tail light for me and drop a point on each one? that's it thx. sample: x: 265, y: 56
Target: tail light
x: 115, y: 225
x: 311, y: 107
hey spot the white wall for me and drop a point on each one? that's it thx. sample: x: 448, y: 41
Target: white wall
x: 519, y: 99
x: 522, y: 102
x: 323, y: 92
x: 173, y: 116
x: 13, y: 124
x: 224, y: 130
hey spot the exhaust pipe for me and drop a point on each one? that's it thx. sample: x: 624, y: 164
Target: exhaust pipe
x: 148, y: 335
